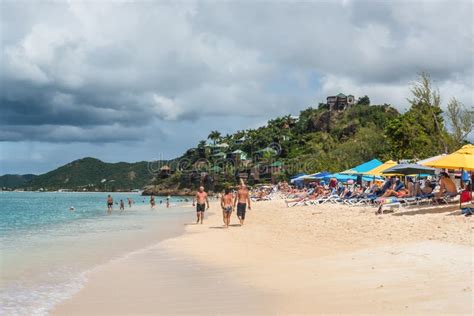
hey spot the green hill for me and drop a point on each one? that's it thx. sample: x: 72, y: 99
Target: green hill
x: 13, y: 181
x: 318, y: 138
x: 93, y: 174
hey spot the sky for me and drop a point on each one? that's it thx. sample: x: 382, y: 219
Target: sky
x: 146, y: 80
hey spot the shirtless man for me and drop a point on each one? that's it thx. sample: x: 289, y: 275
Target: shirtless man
x: 243, y: 198
x: 201, y: 202
x: 110, y: 204
x: 227, y: 208
x: 447, y: 186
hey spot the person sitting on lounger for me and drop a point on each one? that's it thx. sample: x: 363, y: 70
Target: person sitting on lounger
x: 386, y: 186
x: 398, y: 190
x: 426, y: 189
x: 358, y: 191
x: 411, y: 186
x: 446, y: 186
x: 399, y: 185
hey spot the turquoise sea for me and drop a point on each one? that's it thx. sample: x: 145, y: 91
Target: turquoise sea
x: 46, y: 249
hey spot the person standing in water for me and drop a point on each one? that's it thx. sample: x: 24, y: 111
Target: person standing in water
x: 168, y: 201
x: 227, y: 208
x: 152, y: 201
x: 129, y: 202
x: 201, y: 201
x: 122, y: 206
x: 242, y: 199
x: 110, y: 204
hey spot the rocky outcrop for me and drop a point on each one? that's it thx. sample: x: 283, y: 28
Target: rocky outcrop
x: 165, y: 191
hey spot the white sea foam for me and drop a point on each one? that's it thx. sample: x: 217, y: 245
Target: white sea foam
x: 21, y: 299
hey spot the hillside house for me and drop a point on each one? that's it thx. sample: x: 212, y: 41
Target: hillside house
x: 340, y: 102
x: 214, y: 149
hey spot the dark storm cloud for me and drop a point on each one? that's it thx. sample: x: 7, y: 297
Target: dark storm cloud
x: 369, y: 41
x: 107, y: 72
x: 66, y: 133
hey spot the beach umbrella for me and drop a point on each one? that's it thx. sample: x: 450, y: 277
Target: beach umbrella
x: 378, y: 170
x: 314, y: 176
x: 460, y: 159
x: 320, y: 175
x: 298, y: 175
x: 430, y: 159
x: 298, y: 178
x: 409, y: 169
x: 363, y: 168
x: 340, y: 177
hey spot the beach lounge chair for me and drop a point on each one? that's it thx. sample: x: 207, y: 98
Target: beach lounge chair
x: 297, y: 203
x: 450, y: 197
x: 388, y: 203
x: 327, y: 198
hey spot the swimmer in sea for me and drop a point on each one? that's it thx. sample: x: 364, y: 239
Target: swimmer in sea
x: 110, y: 204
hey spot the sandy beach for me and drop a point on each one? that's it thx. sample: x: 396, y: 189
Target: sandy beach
x: 301, y: 260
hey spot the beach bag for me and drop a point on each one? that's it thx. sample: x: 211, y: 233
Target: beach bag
x: 466, y: 196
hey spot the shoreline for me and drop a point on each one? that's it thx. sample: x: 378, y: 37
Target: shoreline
x: 171, y: 230
x: 321, y: 259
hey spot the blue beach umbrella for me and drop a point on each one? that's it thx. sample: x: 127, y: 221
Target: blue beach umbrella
x: 365, y: 167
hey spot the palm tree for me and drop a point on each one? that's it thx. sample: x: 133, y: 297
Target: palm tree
x: 201, y: 144
x: 214, y: 136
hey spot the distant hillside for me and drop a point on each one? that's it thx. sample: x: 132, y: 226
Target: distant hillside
x: 89, y: 174
x: 13, y: 181
x: 323, y: 138
x: 317, y: 139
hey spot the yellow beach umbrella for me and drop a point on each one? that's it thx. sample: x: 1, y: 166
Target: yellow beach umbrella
x: 378, y: 170
x: 461, y: 159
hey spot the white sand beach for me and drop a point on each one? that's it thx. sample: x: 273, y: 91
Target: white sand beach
x: 301, y: 260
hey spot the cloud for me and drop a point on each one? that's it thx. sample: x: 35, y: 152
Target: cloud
x: 111, y: 71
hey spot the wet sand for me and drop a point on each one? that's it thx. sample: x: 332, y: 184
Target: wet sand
x: 312, y: 260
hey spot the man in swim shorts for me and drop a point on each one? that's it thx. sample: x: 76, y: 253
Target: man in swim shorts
x: 226, y: 204
x: 201, y: 201
x: 446, y: 186
x: 110, y: 204
x: 242, y: 199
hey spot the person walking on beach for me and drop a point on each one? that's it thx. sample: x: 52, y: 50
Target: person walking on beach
x: 152, y: 201
x: 242, y: 199
x: 201, y: 201
x: 110, y: 204
x: 122, y: 206
x: 168, y: 201
x: 227, y: 208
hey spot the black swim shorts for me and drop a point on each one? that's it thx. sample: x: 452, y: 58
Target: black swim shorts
x: 241, y: 208
x: 200, y: 207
